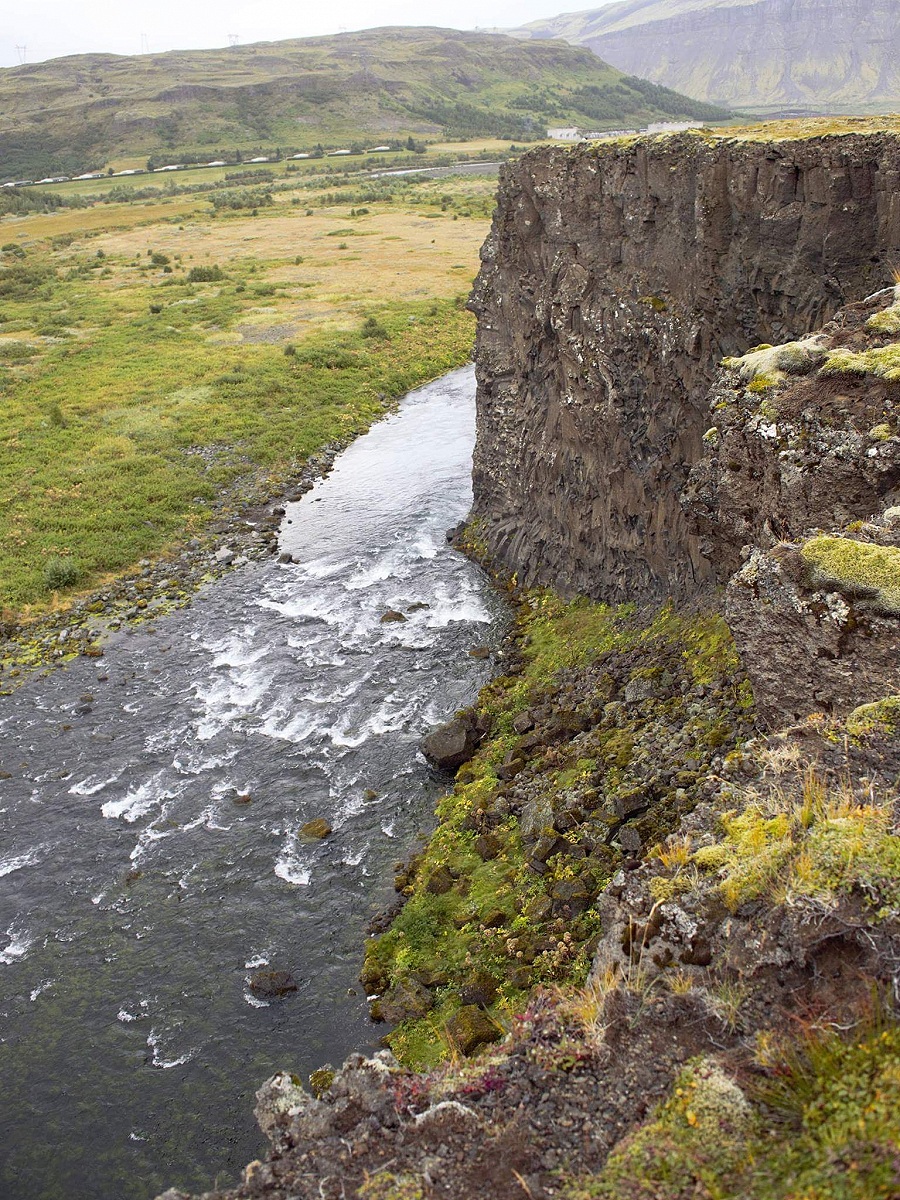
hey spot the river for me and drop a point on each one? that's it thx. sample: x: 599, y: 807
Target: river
x: 140, y: 888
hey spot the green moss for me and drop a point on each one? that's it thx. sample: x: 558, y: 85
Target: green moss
x: 856, y: 567
x: 765, y: 366
x: 822, y: 1127
x: 524, y: 916
x: 820, y: 846
x: 321, y: 1080
x: 882, y: 716
x: 693, y: 1145
x: 387, y: 1186
x: 762, y: 383
x: 883, y: 362
x: 886, y: 321
x: 881, y: 432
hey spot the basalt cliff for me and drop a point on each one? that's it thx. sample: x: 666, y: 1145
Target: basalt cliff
x: 652, y: 950
x: 613, y: 282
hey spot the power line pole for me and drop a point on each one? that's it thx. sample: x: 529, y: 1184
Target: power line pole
x: 22, y: 53
x: 233, y: 39
x: 145, y: 44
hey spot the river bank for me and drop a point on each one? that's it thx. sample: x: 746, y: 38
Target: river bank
x: 244, y: 527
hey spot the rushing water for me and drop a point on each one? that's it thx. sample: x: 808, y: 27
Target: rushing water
x: 137, y: 893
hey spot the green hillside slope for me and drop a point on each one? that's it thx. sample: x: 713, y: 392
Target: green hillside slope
x: 798, y: 56
x: 77, y: 113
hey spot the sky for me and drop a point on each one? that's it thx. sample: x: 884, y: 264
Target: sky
x: 51, y: 28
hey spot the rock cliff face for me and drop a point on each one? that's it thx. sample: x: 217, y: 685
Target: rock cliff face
x: 614, y: 280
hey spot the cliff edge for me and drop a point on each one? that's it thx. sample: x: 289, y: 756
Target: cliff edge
x: 613, y: 281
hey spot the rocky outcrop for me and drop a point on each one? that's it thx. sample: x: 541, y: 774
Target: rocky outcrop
x: 796, y: 503
x: 614, y: 280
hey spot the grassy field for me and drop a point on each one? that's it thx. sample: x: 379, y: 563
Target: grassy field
x: 153, y: 352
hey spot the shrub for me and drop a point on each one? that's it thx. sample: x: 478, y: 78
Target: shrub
x: 372, y: 328
x: 60, y: 573
x: 205, y: 274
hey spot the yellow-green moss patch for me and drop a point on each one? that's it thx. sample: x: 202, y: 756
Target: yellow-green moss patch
x: 856, y: 567
x: 882, y: 716
x: 883, y: 362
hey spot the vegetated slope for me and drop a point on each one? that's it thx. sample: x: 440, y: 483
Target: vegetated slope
x: 75, y: 113
x: 767, y: 55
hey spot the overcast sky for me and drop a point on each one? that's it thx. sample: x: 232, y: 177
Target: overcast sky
x: 50, y: 28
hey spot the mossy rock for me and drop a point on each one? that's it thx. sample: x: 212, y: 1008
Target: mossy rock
x: 858, y: 568
x: 321, y: 1080
x: 882, y: 716
x: 470, y: 1028
x: 407, y: 1000
x: 315, y: 830
x: 373, y: 975
x: 480, y: 988
x: 487, y: 846
x: 440, y: 881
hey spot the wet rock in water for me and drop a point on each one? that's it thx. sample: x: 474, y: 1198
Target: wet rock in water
x: 285, y: 557
x: 239, y: 799
x: 391, y: 615
x: 451, y: 744
x: 470, y: 1028
x: 270, y: 985
x: 480, y: 652
x: 316, y: 829
x: 417, y: 606
x: 369, y: 795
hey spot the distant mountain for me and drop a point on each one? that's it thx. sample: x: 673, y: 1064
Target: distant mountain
x: 765, y: 55
x: 76, y: 113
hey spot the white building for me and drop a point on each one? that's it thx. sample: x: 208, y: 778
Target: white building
x: 564, y: 135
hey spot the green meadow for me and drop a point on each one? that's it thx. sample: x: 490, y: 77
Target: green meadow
x: 157, y: 352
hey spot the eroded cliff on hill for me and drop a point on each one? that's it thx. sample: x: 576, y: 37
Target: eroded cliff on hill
x: 614, y: 279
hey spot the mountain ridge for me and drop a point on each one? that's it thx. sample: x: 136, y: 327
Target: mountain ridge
x: 78, y: 112
x: 772, y: 56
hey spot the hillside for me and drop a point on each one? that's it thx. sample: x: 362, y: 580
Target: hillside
x: 765, y: 55
x: 74, y: 114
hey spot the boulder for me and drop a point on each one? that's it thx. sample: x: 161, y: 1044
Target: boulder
x: 451, y: 744
x: 470, y: 1028
x: 440, y: 881
x: 316, y: 829
x: 406, y: 1000
x: 480, y: 988
x: 271, y: 985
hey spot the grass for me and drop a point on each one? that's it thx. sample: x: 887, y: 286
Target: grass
x: 822, y: 1126
x: 810, y: 846
x: 143, y: 365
